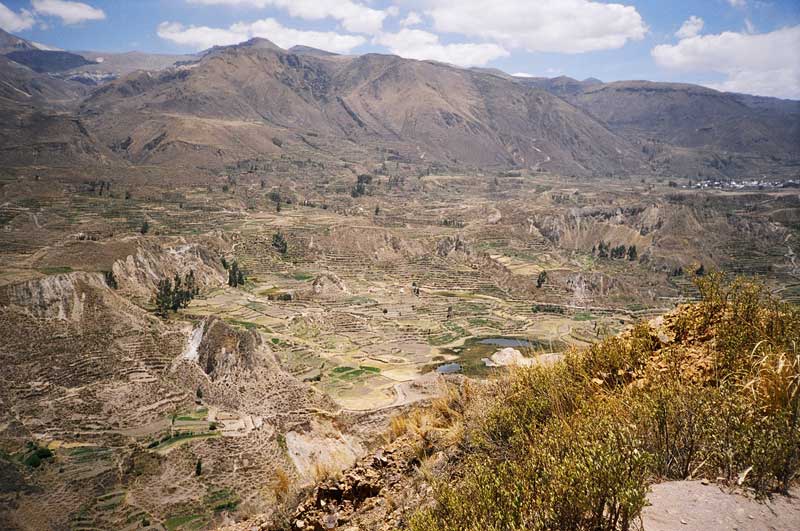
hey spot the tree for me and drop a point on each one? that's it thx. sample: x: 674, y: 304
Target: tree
x: 164, y: 297
x: 198, y: 468
x: 362, y: 182
x: 145, y: 228
x: 618, y: 252
x: 541, y: 279
x: 377, y: 210
x: 111, y: 280
x: 175, y: 296
x: 191, y: 284
x: 632, y: 253
x: 178, y: 293
x: 279, y: 243
x: 236, y: 276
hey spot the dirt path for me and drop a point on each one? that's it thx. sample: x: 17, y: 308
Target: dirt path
x: 693, y: 506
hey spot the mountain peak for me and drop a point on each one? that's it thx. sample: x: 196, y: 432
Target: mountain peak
x: 12, y: 43
x: 308, y: 50
x: 259, y: 43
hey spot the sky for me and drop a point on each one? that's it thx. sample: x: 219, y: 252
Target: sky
x: 749, y: 46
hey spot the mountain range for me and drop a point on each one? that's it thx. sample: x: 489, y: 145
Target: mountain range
x: 255, y: 99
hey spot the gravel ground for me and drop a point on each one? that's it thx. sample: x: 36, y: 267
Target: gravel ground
x: 695, y: 506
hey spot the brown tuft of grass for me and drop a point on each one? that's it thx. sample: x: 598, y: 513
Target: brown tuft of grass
x: 324, y: 471
x: 281, y: 485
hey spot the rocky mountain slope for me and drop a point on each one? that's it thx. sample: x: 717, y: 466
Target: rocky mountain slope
x: 693, y: 117
x: 48, y: 60
x: 423, y: 110
x: 255, y: 99
x: 12, y: 43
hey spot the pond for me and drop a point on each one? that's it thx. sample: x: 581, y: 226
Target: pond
x: 514, y: 342
x: 470, y: 356
x: 448, y: 368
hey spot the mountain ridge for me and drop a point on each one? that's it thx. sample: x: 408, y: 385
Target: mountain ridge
x: 228, y: 103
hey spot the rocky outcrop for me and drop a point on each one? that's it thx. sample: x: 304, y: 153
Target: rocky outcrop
x: 451, y: 244
x: 55, y: 296
x: 328, y: 285
x: 138, y: 274
x: 508, y: 357
x: 225, y: 350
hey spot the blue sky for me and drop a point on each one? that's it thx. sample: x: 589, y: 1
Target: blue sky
x: 740, y: 45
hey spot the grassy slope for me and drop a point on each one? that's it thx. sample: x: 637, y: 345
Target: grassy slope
x: 712, y: 391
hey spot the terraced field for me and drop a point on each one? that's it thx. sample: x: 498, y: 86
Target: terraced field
x: 266, y: 385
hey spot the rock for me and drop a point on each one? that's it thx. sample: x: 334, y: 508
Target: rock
x: 328, y: 285
x: 330, y: 521
x: 223, y: 349
x: 450, y: 244
x: 508, y: 357
x: 379, y: 460
x: 55, y: 296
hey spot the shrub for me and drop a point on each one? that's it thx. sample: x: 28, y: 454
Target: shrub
x: 281, y: 485
x: 581, y: 472
x: 575, y: 445
x: 279, y: 243
x: 236, y: 277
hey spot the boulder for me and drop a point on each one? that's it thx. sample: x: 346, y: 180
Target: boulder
x: 508, y: 357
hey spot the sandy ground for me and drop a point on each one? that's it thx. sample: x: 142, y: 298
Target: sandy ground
x: 693, y: 506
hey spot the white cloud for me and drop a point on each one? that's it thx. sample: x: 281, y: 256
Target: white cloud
x: 565, y: 26
x: 353, y: 16
x: 12, y: 21
x: 202, y: 37
x: 419, y: 44
x: 765, y: 64
x: 691, y: 28
x: 737, y: 3
x: 412, y: 19
x: 523, y: 74
x: 68, y: 12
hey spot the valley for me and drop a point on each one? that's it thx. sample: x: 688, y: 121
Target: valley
x: 266, y: 288
x: 372, y: 304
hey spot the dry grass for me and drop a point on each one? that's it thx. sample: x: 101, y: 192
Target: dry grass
x: 281, y: 485
x: 439, y: 425
x: 324, y: 471
x: 575, y: 445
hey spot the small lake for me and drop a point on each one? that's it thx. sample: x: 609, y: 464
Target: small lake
x: 470, y: 356
x: 507, y: 342
x: 449, y: 368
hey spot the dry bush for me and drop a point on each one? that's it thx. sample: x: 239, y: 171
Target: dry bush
x: 575, y: 445
x: 437, y: 426
x: 325, y: 471
x: 580, y: 472
x: 281, y: 484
